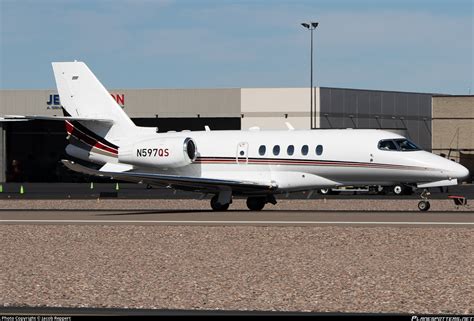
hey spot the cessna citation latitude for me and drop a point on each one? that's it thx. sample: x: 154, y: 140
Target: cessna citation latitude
x: 255, y: 164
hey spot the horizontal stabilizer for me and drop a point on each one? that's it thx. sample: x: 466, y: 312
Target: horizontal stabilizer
x: 3, y: 119
x: 61, y: 118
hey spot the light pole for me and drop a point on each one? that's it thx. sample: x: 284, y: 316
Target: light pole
x: 311, y: 26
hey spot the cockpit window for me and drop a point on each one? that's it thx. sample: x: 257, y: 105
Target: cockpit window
x: 401, y: 144
x: 405, y: 144
x: 387, y: 145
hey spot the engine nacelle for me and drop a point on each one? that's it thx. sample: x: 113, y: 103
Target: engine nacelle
x: 159, y: 152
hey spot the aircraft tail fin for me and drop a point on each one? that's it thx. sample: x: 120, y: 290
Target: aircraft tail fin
x: 83, y: 96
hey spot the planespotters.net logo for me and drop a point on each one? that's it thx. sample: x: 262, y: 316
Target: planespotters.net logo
x: 442, y: 318
x: 53, y: 101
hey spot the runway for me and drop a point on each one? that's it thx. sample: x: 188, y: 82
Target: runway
x: 237, y: 217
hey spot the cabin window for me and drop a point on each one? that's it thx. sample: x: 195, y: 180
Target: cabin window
x: 290, y: 150
x: 262, y: 150
x: 276, y: 150
x: 319, y: 150
x: 304, y: 150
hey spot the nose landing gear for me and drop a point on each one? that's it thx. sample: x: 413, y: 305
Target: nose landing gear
x: 424, y: 204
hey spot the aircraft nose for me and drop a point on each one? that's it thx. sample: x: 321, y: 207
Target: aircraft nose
x: 462, y: 172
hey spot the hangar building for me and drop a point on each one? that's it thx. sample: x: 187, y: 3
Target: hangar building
x: 453, y: 129
x: 31, y: 151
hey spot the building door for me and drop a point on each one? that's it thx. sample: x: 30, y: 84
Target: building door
x: 242, y: 153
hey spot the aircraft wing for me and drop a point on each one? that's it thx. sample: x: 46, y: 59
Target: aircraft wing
x: 180, y: 182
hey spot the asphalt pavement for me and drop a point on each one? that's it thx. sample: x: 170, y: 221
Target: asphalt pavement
x: 140, y: 191
x: 236, y: 218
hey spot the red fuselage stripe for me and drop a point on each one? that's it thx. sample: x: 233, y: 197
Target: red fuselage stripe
x: 212, y: 160
x: 73, y: 131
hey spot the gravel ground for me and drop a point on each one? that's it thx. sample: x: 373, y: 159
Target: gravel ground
x: 239, y: 204
x: 335, y: 269
x: 347, y: 269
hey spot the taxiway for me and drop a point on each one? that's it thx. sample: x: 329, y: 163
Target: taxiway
x: 238, y: 217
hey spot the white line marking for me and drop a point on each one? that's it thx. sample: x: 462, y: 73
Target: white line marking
x: 236, y: 222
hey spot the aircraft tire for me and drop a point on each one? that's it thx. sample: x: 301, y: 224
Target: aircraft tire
x: 424, y: 206
x: 256, y: 203
x: 328, y: 191
x: 325, y: 191
x: 398, y: 189
x: 218, y: 206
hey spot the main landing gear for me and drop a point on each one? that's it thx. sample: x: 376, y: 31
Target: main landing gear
x: 218, y: 206
x: 257, y: 203
x: 221, y: 201
x: 424, y: 204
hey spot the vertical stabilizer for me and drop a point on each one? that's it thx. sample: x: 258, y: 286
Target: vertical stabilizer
x: 82, y: 95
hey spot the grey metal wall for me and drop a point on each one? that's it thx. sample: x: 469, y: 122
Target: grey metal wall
x: 354, y: 108
x: 182, y: 102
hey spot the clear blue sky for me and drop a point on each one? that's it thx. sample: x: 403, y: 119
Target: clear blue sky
x: 408, y: 45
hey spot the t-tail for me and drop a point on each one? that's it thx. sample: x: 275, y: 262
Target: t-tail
x: 82, y: 96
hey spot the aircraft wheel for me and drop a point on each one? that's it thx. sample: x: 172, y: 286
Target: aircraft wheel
x: 256, y: 203
x: 218, y: 206
x: 424, y: 206
x: 328, y: 191
x: 325, y: 191
x: 398, y: 189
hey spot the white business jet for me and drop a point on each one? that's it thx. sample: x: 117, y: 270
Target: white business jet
x: 255, y: 164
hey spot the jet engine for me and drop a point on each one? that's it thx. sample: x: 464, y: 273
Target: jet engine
x: 159, y: 152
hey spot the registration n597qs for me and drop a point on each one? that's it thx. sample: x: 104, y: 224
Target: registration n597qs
x: 256, y: 164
